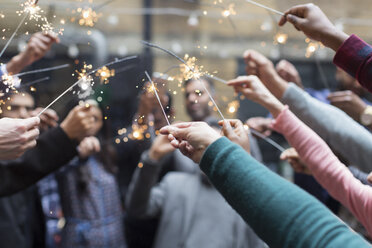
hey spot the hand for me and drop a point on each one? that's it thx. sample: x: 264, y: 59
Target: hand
x: 88, y: 146
x: 260, y: 124
x: 310, y: 19
x: 192, y: 138
x: 160, y: 147
x: 294, y: 160
x: 79, y: 123
x: 369, y: 177
x: 37, y: 47
x: 252, y: 88
x: 47, y: 120
x: 289, y: 73
x: 17, y: 136
x: 235, y: 132
x: 349, y: 102
x: 258, y: 65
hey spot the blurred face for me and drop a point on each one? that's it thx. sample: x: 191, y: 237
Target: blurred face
x: 98, y: 122
x: 197, y: 100
x: 19, y: 106
x: 347, y: 82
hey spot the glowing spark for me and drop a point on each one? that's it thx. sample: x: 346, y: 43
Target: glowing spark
x: 10, y: 81
x: 79, y: 81
x: 233, y: 107
x: 281, y: 38
x: 191, y: 69
x: 88, y: 17
x: 157, y: 96
x: 104, y: 73
x: 229, y: 11
x: 311, y: 48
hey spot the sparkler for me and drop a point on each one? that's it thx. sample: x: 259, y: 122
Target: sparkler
x: 153, y: 88
x: 265, y: 7
x: 268, y: 140
x: 42, y: 70
x: 196, y: 74
x: 85, y: 78
x: 35, y: 82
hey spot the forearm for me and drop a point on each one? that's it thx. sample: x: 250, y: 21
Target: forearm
x: 279, y: 212
x: 325, y: 167
x: 341, y: 132
x: 355, y: 57
x: 138, y: 200
x: 17, y: 64
x: 52, y: 151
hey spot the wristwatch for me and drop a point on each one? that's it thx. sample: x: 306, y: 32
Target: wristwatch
x: 366, y: 117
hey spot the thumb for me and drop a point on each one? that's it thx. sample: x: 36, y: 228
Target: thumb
x: 31, y: 122
x: 227, y: 129
x: 296, y: 21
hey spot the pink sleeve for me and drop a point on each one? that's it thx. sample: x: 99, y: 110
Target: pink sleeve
x: 326, y: 168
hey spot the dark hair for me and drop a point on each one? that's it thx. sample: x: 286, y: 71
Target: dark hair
x: 204, y: 78
x: 107, y: 156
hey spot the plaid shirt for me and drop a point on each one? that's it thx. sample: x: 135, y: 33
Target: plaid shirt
x: 355, y: 57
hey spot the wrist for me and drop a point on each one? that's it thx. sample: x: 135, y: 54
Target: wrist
x: 334, y: 38
x: 17, y: 63
x: 68, y: 132
x: 274, y: 106
x: 155, y: 156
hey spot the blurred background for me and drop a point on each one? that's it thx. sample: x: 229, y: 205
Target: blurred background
x: 215, y: 32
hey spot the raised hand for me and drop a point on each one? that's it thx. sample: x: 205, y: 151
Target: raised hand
x: 234, y: 130
x: 192, y: 138
x: 48, y: 119
x: 88, y: 146
x: 160, y: 147
x: 288, y: 72
x: 79, y: 123
x: 252, y: 88
x: 260, y: 124
x: 17, y: 136
x: 292, y: 157
x: 260, y: 66
x: 349, y: 102
x: 37, y: 47
x: 311, y: 20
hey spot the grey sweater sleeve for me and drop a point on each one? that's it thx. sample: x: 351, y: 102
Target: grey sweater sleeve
x: 342, y: 133
x: 145, y: 197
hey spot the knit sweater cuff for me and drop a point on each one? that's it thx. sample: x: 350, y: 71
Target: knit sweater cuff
x: 210, y: 154
x: 351, y: 54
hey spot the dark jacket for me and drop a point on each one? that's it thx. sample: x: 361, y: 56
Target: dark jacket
x: 21, y: 223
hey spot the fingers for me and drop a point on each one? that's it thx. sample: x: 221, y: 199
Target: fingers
x: 31, y: 122
x: 171, y: 129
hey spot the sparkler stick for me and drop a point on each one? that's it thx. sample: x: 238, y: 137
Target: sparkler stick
x: 15, y: 32
x: 191, y: 69
x: 41, y: 70
x: 35, y: 82
x: 268, y: 140
x: 157, y: 96
x: 265, y: 7
x: 321, y: 72
x: 84, y: 78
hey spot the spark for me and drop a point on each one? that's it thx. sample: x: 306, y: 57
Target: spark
x: 281, y: 38
x: 233, y: 107
x: 88, y: 17
x: 104, y: 73
x: 81, y: 79
x: 311, y: 49
x: 191, y: 69
x: 10, y: 81
x: 229, y: 11
x: 157, y: 96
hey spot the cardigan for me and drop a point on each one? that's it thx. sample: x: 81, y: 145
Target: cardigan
x: 279, y: 212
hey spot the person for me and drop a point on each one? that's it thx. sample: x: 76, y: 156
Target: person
x: 341, y: 132
x: 21, y: 216
x: 89, y: 193
x: 324, y: 165
x: 291, y: 217
x: 186, y: 203
x: 353, y: 55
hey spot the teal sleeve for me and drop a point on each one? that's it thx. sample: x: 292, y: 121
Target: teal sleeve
x: 279, y: 212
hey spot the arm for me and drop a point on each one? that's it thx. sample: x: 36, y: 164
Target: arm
x: 144, y: 198
x: 355, y: 57
x: 326, y: 168
x: 280, y: 213
x: 336, y: 128
x: 53, y: 150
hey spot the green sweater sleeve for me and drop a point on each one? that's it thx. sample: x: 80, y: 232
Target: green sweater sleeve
x: 279, y: 212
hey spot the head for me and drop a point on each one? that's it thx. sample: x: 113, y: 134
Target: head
x: 17, y: 105
x: 197, y: 99
x: 97, y: 115
x: 347, y: 82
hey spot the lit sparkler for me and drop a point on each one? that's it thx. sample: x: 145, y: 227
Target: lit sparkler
x: 265, y: 7
x: 105, y: 73
x: 85, y: 78
x: 154, y: 89
x: 191, y: 69
x: 88, y: 16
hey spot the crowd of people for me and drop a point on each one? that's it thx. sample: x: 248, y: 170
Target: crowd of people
x: 200, y: 183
